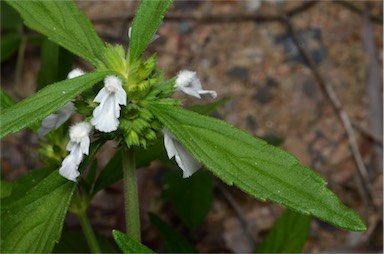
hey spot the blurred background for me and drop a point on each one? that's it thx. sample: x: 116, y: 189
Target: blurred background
x: 248, y: 52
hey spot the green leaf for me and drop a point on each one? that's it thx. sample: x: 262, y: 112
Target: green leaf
x: 45, y: 102
x: 26, y: 183
x: 288, y: 234
x: 10, y: 43
x: 5, y: 189
x: 56, y: 63
x: 127, y: 245
x: 148, y: 17
x: 210, y: 108
x: 191, y: 197
x: 6, y: 101
x: 32, y: 220
x: 64, y: 24
x: 175, y: 242
x: 10, y: 19
x: 261, y: 170
x: 112, y: 171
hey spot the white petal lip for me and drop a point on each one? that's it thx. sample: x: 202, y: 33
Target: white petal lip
x: 105, y: 116
x: 188, y: 83
x: 183, y: 158
x: 69, y: 168
x: 78, y: 146
x: 110, y: 97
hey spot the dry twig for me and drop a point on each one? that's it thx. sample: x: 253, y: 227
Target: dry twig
x: 239, y: 213
x: 373, y: 86
x: 368, y: 134
x: 218, y: 19
x: 352, y: 7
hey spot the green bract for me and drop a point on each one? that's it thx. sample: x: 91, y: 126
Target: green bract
x: 143, y: 83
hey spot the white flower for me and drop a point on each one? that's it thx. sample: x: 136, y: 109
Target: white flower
x: 78, y: 146
x: 154, y: 37
x: 54, y: 121
x: 188, y: 83
x: 105, y: 116
x: 184, y: 159
x: 75, y: 73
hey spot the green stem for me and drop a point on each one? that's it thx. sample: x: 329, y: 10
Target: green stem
x: 132, y: 213
x: 20, y: 61
x: 87, y: 228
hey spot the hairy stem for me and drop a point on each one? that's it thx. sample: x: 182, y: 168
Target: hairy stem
x: 132, y: 213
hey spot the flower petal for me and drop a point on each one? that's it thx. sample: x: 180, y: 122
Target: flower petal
x: 75, y: 73
x: 48, y: 124
x: 71, y: 145
x: 195, y: 82
x: 121, y: 96
x: 168, y: 143
x: 184, y: 159
x: 102, y: 95
x: 84, y: 145
x: 65, y: 113
x: 54, y: 121
x: 105, y: 116
x: 69, y: 168
x: 190, y: 91
x: 189, y: 83
x: 211, y: 93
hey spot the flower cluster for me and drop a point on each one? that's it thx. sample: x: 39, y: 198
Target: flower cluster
x: 137, y: 126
